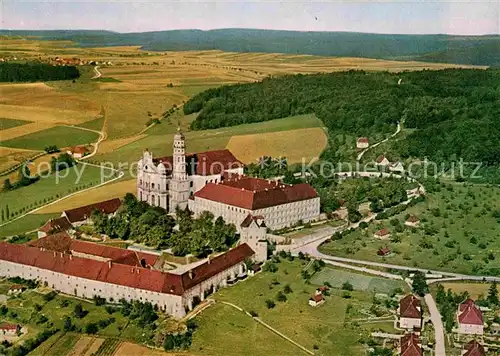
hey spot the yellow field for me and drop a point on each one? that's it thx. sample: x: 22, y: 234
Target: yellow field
x: 109, y: 191
x: 11, y: 156
x: 296, y: 144
x: 474, y: 289
x: 129, y: 349
x: 112, y: 145
x: 86, y: 346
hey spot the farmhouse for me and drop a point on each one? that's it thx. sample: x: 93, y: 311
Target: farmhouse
x: 213, y: 181
x: 81, y: 215
x: 473, y: 348
x: 53, y: 226
x: 384, y: 251
x: 362, y: 143
x: 85, y: 269
x: 382, y: 161
x: 397, y: 167
x: 316, y: 300
x: 78, y: 151
x: 410, y: 345
x: 410, y: 313
x: 470, y: 318
x: 9, y: 329
x: 412, y: 221
x: 382, y: 234
x: 16, y: 289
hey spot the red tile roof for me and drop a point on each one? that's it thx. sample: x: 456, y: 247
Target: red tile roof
x: 79, y: 149
x: 120, y: 274
x: 254, y: 193
x: 205, y: 163
x: 317, y: 298
x: 56, y: 225
x: 410, y: 345
x: 384, y: 251
x: 215, y: 265
x: 474, y: 348
x: 84, y: 212
x: 8, y: 326
x: 380, y: 158
x: 383, y: 232
x: 248, y: 221
x: 363, y: 140
x: 62, y: 242
x: 17, y: 287
x: 413, y: 219
x: 469, y: 313
x: 409, y: 307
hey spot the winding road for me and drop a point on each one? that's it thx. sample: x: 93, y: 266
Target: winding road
x: 360, y: 155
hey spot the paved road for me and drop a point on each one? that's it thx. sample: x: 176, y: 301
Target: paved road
x: 438, y: 325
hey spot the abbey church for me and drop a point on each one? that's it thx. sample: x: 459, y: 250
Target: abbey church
x: 214, y: 181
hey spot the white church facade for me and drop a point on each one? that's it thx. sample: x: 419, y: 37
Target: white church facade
x: 213, y: 181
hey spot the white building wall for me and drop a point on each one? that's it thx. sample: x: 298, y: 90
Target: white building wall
x: 86, y: 288
x: 276, y: 217
x: 471, y: 329
x: 410, y: 323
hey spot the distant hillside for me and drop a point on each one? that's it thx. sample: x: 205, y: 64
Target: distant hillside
x: 477, y: 50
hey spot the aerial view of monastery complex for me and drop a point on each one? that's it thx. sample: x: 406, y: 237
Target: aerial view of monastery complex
x: 250, y: 178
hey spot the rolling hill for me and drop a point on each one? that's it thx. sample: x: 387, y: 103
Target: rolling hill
x: 477, y: 50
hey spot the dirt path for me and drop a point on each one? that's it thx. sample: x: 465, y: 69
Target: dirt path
x: 97, y: 73
x: 271, y: 328
x: 438, y: 325
x: 398, y: 130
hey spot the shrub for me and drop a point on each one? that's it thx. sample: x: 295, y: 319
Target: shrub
x: 270, y: 304
x: 91, y: 328
x: 281, y: 297
x: 287, y: 289
x: 253, y: 313
x: 49, y: 296
x: 347, y: 286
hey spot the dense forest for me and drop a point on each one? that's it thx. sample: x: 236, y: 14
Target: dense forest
x: 36, y: 72
x: 455, y: 112
x: 478, y: 50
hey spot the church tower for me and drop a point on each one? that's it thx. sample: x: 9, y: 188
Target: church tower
x: 179, y: 184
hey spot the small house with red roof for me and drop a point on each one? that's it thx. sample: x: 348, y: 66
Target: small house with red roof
x: 16, y: 289
x: 316, y: 300
x: 384, y: 251
x: 412, y: 221
x: 322, y: 290
x: 410, y: 345
x: 362, y: 143
x: 473, y: 348
x: 410, y: 313
x: 53, y: 226
x: 78, y: 151
x: 382, y: 234
x: 470, y: 318
x: 382, y: 161
x: 9, y: 329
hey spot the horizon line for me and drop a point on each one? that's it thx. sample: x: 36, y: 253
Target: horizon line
x: 253, y: 29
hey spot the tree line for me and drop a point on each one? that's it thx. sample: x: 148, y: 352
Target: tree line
x: 36, y: 72
x: 443, y: 106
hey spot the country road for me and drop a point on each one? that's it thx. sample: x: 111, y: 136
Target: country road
x: 97, y: 73
x: 440, y: 349
x: 360, y: 155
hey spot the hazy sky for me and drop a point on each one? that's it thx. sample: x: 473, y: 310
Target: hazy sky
x: 414, y: 16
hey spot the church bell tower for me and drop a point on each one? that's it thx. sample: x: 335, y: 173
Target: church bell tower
x: 179, y: 184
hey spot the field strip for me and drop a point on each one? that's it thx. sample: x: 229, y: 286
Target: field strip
x: 271, y: 328
x: 24, y: 130
x: 120, y: 175
x: 44, y: 114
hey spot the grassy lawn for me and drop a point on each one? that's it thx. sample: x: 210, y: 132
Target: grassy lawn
x: 8, y: 123
x: 50, y: 188
x: 327, y: 326
x: 458, y: 233
x: 28, y: 223
x: 359, y: 281
x: 93, y: 124
x: 61, y: 136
